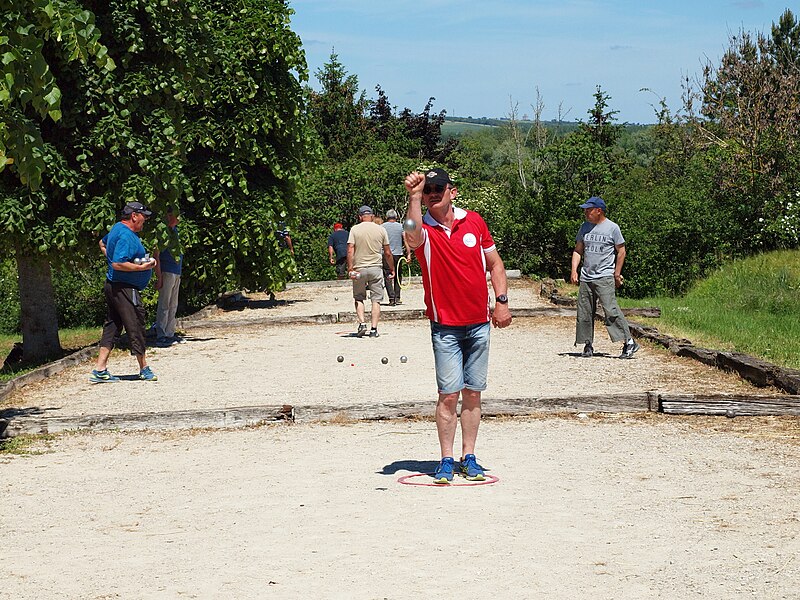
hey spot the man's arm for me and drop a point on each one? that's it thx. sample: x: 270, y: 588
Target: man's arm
x: 157, y: 257
x: 501, y: 315
x: 621, y: 253
x: 289, y: 243
x: 407, y: 247
x: 330, y: 255
x: 132, y: 266
x: 102, y: 245
x: 414, y: 183
x: 350, y: 256
x: 577, y: 254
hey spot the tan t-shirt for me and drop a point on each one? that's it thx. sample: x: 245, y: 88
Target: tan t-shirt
x: 368, y: 239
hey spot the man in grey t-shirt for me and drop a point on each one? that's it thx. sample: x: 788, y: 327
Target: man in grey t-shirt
x: 397, y: 240
x: 601, y: 245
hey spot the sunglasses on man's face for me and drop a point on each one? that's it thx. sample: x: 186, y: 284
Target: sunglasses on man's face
x: 431, y: 188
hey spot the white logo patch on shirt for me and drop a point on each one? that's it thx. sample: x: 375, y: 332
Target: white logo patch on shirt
x: 470, y: 240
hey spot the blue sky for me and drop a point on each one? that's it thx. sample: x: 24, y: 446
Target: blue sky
x: 475, y: 56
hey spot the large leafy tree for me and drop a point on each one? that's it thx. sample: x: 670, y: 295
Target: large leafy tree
x: 35, y: 36
x: 205, y: 111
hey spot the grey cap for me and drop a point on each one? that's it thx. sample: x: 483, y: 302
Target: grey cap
x: 364, y: 210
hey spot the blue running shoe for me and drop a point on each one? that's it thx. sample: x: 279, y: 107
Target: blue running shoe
x: 102, y: 377
x: 471, y: 469
x: 147, y: 374
x: 444, y: 472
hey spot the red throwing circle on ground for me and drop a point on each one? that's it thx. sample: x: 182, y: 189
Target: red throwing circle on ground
x: 407, y: 480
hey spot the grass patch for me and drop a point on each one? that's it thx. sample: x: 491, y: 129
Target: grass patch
x: 23, y: 445
x: 71, y: 340
x: 749, y: 306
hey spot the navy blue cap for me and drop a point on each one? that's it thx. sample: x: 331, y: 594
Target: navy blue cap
x: 594, y: 202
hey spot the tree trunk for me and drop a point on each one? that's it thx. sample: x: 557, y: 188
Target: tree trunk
x: 38, y: 314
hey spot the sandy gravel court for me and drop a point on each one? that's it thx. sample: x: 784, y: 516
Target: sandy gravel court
x: 585, y: 506
x: 597, y: 507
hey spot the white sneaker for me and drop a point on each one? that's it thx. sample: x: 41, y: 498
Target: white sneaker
x: 629, y: 349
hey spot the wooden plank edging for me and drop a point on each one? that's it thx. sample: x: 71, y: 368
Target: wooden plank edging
x: 221, y: 418
x: 730, y: 405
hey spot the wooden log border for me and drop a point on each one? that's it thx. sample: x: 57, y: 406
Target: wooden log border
x: 222, y: 418
x: 758, y: 372
x: 728, y: 405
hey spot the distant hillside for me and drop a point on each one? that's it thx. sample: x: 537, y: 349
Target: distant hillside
x: 459, y: 126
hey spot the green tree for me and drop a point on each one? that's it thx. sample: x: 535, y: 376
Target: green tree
x: 205, y: 111
x: 750, y: 133
x: 339, y: 111
x: 35, y: 36
x: 784, y: 47
x: 369, y: 148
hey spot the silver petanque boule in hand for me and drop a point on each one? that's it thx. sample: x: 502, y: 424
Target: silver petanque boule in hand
x: 409, y: 225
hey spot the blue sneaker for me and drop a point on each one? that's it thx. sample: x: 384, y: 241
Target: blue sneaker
x: 102, y: 377
x: 444, y: 472
x: 471, y: 469
x: 147, y: 374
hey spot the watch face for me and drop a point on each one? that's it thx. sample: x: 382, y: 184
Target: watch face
x: 502, y: 299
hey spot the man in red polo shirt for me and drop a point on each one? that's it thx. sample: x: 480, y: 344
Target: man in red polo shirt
x: 455, y: 250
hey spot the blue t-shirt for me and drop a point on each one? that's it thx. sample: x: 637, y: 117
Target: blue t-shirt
x: 338, y: 239
x: 168, y: 262
x: 123, y: 245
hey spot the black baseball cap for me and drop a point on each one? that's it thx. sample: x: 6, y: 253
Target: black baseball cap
x: 437, y: 176
x: 136, y: 207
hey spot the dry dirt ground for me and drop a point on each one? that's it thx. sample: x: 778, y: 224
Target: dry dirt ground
x: 600, y: 506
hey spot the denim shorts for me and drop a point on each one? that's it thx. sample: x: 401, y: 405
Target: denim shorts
x: 461, y: 354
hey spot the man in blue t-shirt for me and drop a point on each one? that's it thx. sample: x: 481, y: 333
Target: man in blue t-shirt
x: 129, y: 270
x: 601, y: 246
x: 168, y: 282
x: 337, y: 250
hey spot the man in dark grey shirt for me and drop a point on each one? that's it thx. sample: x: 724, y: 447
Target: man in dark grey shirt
x: 601, y: 245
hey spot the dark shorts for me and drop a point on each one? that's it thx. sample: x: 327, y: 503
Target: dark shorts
x: 125, y: 310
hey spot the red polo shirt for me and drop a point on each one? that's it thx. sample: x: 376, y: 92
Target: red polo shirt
x: 453, y: 267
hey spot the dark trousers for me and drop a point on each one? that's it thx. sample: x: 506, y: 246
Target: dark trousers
x: 392, y: 284
x: 341, y: 267
x: 125, y: 309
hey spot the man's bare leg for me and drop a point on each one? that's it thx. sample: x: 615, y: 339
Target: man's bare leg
x: 470, y: 420
x: 446, y: 422
x: 360, y: 311
x: 376, y: 314
x: 102, y: 359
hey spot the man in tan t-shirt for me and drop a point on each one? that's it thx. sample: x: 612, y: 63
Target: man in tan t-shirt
x: 367, y: 243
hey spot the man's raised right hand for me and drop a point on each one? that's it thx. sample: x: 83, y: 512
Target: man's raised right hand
x: 414, y: 183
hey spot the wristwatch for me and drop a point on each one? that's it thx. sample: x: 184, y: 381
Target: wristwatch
x: 502, y: 299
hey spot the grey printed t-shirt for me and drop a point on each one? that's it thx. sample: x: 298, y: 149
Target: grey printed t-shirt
x: 395, y: 232
x: 599, y: 242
